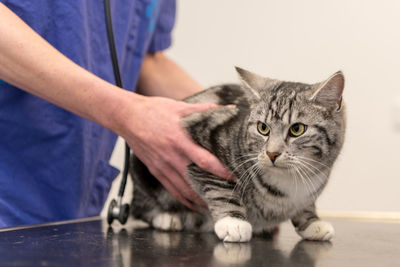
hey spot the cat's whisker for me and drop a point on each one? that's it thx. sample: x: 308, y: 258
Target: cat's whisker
x: 248, y: 179
x: 291, y: 171
x: 304, y: 173
x: 313, y: 175
x: 250, y: 158
x: 242, y: 179
x: 304, y: 180
x: 295, y: 172
x: 242, y: 159
x: 256, y: 173
x: 246, y: 176
x: 311, y: 166
x: 298, y: 174
x: 238, y: 166
x: 310, y: 172
x: 313, y: 160
x: 302, y: 162
x: 310, y: 181
x: 320, y: 175
x: 243, y: 162
x: 295, y: 180
x: 317, y: 172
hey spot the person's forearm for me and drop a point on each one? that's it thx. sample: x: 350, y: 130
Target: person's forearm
x: 150, y: 125
x: 160, y: 76
x: 30, y: 63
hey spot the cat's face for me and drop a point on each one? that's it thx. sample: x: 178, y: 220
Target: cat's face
x: 288, y: 129
x: 296, y: 128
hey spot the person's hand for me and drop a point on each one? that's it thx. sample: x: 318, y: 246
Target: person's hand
x: 157, y: 138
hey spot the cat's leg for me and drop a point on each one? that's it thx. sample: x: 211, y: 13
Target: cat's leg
x: 151, y: 202
x: 310, y: 227
x: 147, y: 208
x: 167, y: 221
x: 224, y: 204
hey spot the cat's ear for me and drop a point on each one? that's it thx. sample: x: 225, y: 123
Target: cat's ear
x: 330, y: 91
x: 256, y: 83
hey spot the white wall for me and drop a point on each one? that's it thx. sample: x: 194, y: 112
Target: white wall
x: 308, y: 41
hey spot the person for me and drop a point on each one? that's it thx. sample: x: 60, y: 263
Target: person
x: 60, y: 113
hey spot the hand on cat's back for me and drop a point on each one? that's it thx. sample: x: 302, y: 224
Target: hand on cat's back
x: 165, y: 148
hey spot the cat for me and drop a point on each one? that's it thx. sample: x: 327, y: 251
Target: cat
x: 280, y: 139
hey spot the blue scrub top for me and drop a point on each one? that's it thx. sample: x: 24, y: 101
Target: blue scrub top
x: 54, y: 164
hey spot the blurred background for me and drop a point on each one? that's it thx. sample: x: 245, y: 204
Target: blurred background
x: 307, y: 41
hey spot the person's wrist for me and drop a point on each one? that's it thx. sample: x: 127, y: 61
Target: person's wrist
x: 124, y: 113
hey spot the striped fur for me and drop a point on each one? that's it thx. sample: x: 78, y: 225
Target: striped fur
x: 265, y: 193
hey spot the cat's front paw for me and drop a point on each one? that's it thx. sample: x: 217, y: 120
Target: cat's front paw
x: 318, y: 231
x: 230, y: 229
x: 167, y: 222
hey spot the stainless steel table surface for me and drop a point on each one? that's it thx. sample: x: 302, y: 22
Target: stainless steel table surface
x: 91, y: 243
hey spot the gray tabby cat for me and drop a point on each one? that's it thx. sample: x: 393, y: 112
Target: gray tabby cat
x: 280, y: 139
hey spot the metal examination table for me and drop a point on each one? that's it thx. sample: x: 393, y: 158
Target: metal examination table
x: 90, y: 242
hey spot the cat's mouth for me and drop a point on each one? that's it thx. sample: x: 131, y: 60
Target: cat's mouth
x: 278, y: 166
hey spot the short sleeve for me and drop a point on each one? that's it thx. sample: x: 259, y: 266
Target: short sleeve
x: 162, y: 38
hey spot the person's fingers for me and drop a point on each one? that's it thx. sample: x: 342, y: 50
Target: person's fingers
x: 172, y: 189
x: 181, y: 183
x: 177, y: 185
x: 206, y: 161
x: 180, y: 165
x: 193, y: 108
x: 175, y: 193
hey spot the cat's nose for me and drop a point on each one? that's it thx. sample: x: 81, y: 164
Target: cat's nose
x: 273, y: 155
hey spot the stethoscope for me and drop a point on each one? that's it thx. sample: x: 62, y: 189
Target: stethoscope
x: 117, y: 210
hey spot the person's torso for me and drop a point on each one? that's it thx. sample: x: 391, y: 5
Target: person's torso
x: 54, y: 164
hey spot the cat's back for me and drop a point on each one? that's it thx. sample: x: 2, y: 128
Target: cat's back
x: 225, y: 94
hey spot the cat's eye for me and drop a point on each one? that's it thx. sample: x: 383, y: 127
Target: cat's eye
x: 263, y: 128
x: 297, y: 129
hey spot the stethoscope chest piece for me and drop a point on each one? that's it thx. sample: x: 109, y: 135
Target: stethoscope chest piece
x: 117, y: 210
